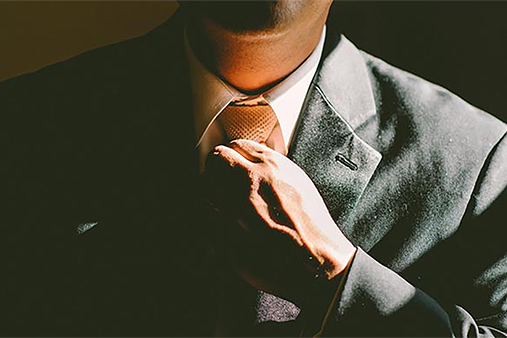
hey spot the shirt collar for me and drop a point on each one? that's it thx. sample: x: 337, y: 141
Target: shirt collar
x: 211, y: 95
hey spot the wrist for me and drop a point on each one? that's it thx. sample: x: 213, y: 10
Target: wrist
x: 322, y: 295
x: 330, y: 250
x: 338, y: 260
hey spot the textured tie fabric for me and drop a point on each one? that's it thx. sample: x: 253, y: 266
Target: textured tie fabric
x: 256, y: 123
x: 248, y: 122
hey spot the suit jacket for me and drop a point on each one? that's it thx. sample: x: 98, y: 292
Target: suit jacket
x: 102, y: 233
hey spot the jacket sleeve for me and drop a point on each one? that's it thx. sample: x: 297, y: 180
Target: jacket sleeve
x: 376, y: 301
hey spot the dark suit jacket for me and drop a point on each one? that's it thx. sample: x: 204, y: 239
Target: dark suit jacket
x: 101, y: 233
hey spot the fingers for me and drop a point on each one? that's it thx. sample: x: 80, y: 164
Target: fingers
x: 242, y: 153
x: 225, y: 177
x: 253, y: 151
x: 262, y: 208
x: 227, y: 174
x: 231, y: 156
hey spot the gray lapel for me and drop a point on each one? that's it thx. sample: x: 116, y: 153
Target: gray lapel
x: 339, y: 163
x: 326, y: 147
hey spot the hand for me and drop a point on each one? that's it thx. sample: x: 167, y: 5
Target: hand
x: 278, y: 221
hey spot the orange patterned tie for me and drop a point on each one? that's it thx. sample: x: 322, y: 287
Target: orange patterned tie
x: 248, y: 122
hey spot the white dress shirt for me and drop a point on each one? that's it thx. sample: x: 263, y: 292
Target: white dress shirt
x: 211, y: 95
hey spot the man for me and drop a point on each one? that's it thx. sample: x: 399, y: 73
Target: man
x: 245, y: 170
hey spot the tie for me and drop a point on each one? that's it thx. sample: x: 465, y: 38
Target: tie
x: 237, y: 299
x: 248, y: 122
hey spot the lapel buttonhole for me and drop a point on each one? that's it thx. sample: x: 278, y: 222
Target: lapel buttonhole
x: 346, y: 162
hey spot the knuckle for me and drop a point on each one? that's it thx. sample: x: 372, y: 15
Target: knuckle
x: 252, y: 198
x: 273, y: 163
x: 270, y: 169
x: 269, y: 158
x: 236, y: 143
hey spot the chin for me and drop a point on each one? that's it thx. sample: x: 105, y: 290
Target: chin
x: 250, y: 16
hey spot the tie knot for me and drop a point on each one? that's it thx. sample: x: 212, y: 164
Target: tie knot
x: 248, y: 122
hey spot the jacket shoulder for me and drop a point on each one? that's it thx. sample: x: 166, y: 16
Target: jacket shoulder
x: 67, y: 128
x: 101, y: 70
x: 434, y: 142
x: 93, y: 90
x: 432, y: 116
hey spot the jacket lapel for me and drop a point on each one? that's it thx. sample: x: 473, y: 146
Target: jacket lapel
x: 326, y: 147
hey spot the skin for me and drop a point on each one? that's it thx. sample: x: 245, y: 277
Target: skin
x: 255, y: 59
x: 275, y: 220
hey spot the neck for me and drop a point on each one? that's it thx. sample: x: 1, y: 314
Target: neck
x: 253, y: 62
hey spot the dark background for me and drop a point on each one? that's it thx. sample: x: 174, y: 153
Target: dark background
x: 460, y: 45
